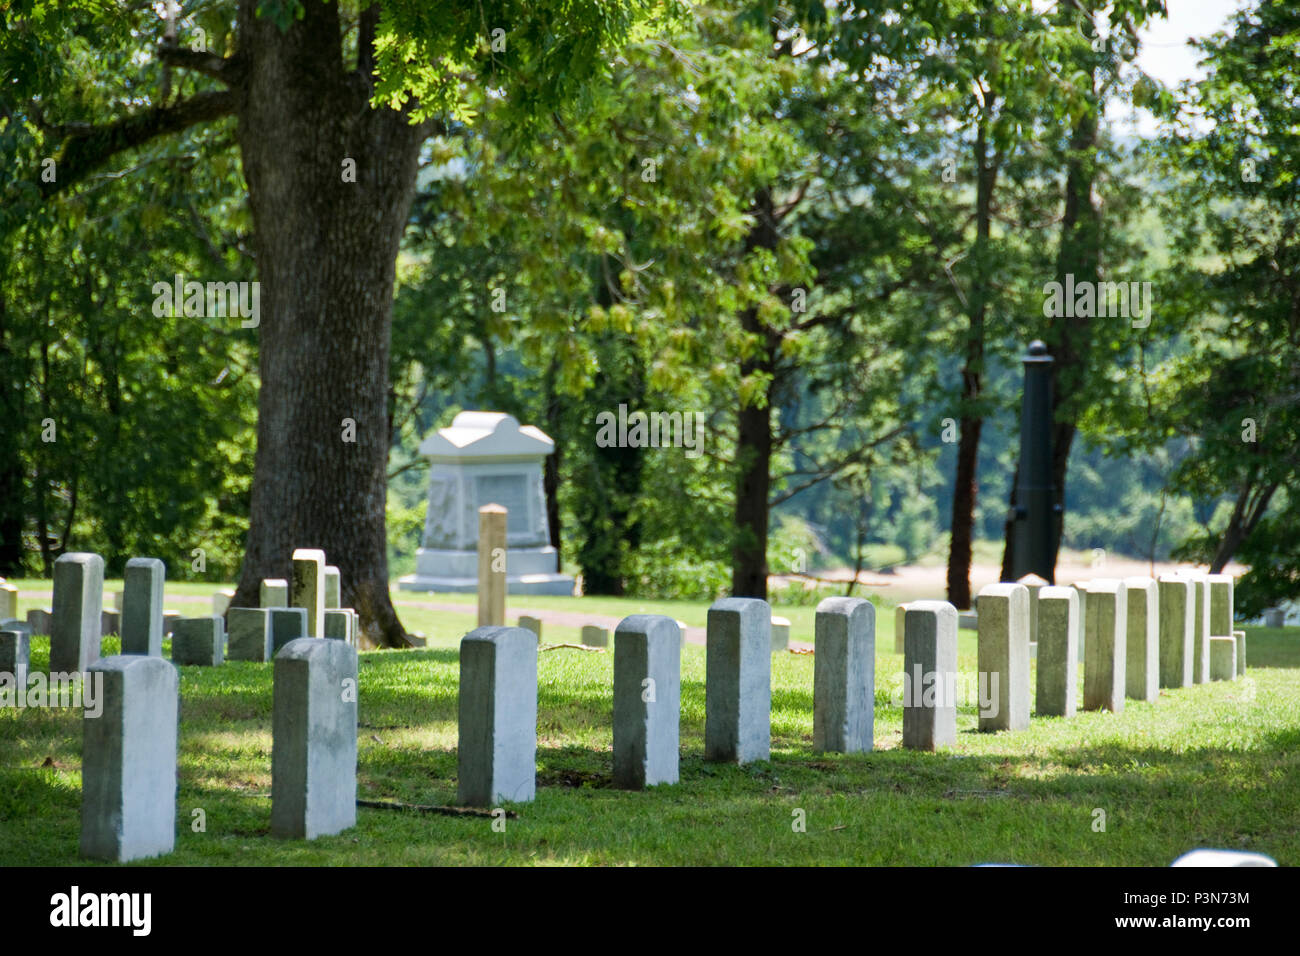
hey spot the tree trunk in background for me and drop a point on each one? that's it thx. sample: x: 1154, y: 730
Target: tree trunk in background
x: 965, y: 486
x: 1251, y: 504
x: 12, y: 478
x: 753, y: 488
x: 326, y: 251
x: 551, y: 466
x: 754, y: 436
x: 605, y: 493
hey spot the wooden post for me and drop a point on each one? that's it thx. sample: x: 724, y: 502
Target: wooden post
x: 491, y: 565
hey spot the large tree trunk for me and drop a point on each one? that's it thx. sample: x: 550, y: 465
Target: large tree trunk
x: 326, y: 250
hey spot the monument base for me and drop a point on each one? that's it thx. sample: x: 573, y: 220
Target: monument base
x: 517, y: 584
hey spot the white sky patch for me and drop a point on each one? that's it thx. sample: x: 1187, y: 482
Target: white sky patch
x: 1166, y: 55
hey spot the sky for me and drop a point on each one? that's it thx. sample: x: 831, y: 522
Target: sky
x: 1164, y: 53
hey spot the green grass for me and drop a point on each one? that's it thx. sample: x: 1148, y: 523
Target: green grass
x: 1214, y: 765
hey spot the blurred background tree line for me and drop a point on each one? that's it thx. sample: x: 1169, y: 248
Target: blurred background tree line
x: 826, y: 228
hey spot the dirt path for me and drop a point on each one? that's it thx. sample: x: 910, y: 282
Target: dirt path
x: 571, y: 620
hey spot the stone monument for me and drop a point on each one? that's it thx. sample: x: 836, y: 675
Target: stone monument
x: 486, y: 458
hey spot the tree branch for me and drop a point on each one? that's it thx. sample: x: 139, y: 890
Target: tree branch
x: 226, y: 70
x: 86, y: 147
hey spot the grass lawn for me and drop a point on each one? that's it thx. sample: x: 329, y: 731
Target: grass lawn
x: 1213, y: 765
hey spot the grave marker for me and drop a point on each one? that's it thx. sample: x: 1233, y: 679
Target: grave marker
x: 492, y: 565
x: 273, y: 592
x: 899, y: 614
x: 738, y: 681
x: 1107, y: 630
x: 1201, y: 632
x: 8, y: 602
x: 1035, y: 584
x: 1058, y: 633
x: 593, y: 635
x: 340, y: 625
x: 533, y: 624
x: 199, y: 641
x: 1223, y: 658
x: 1003, y: 659
x: 287, y: 624
x: 308, y: 587
x: 1177, y: 597
x: 1221, y: 604
x: 333, y: 588
x: 15, y: 659
x: 249, y: 634
x: 1241, y: 652
x: 780, y: 635
x: 647, y: 701
x: 929, y: 675
x: 844, y: 675
x: 110, y: 622
x: 78, y: 603
x: 1142, y: 656
x: 497, y: 745
x: 39, y: 620
x: 128, y: 763
x: 142, y: 606
x: 314, y: 740
x: 221, y: 600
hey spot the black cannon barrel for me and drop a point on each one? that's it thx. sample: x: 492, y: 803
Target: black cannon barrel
x: 1035, y: 511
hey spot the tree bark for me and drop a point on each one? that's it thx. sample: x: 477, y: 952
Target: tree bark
x: 326, y: 250
x: 551, y: 466
x: 754, y: 435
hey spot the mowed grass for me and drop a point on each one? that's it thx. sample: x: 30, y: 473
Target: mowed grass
x: 1213, y: 765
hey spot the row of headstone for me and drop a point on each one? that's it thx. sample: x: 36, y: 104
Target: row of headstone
x: 306, y: 606
x: 1141, y: 635
x: 129, y: 788
x: 498, y: 695
x: 129, y: 763
x: 129, y: 769
x: 79, y: 620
